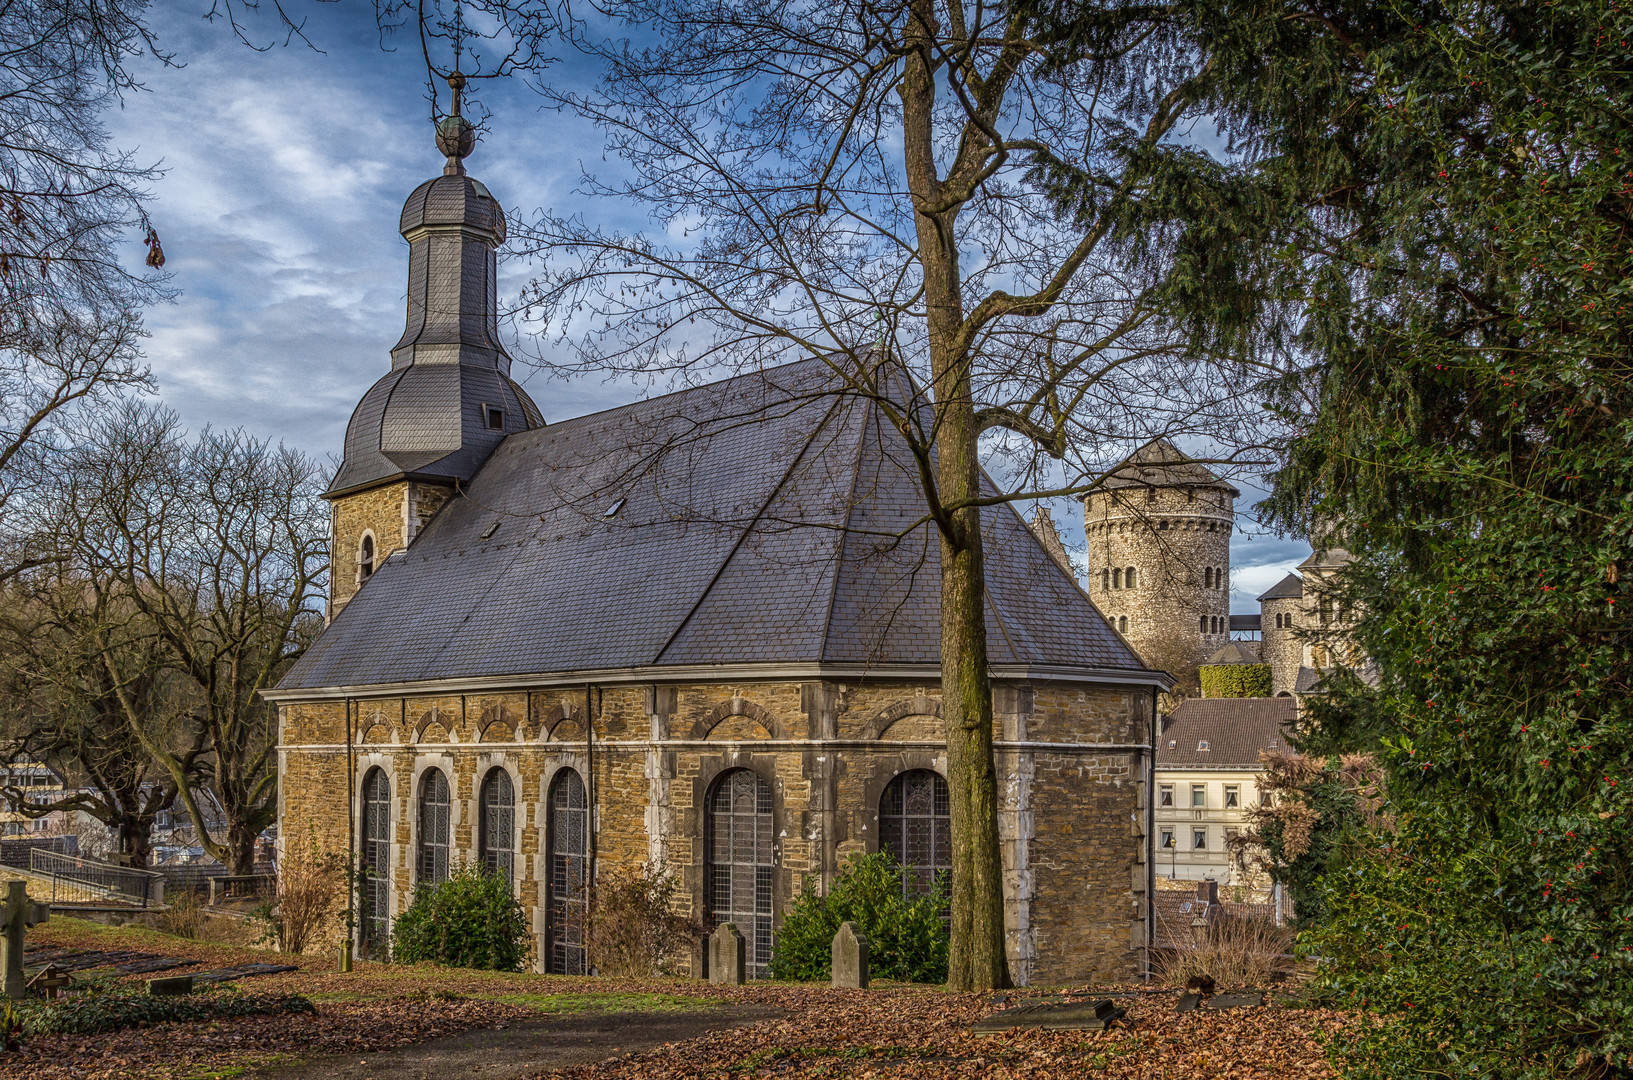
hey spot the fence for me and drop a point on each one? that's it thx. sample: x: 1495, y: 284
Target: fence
x: 85, y: 881
x: 15, y: 853
x: 242, y: 887
x: 196, y: 877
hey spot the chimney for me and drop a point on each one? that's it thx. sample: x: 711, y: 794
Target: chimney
x: 1208, y: 891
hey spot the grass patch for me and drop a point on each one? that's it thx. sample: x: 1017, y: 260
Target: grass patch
x: 614, y: 1002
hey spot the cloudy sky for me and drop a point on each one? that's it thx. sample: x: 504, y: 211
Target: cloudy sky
x: 285, y: 171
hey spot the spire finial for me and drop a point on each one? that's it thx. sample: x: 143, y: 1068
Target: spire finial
x: 455, y: 136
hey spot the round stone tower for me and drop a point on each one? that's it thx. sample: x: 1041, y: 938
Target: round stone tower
x: 1159, y: 555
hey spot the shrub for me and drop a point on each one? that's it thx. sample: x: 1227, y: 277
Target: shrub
x: 311, y: 884
x: 907, y: 935
x: 472, y: 920
x: 1236, y: 951
x: 97, y: 1013
x: 635, y: 931
x: 1235, y: 680
x: 183, y: 918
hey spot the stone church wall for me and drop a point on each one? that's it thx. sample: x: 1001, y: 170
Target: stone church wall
x: 1071, y: 775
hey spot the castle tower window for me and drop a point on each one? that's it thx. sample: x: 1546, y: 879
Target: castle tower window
x: 365, y: 557
x: 1117, y: 578
x: 738, y: 875
x: 1202, y: 625
x: 915, y: 827
x: 497, y: 818
x: 1207, y: 577
x: 1105, y: 581
x: 1122, y: 624
x: 568, y: 859
x: 376, y: 858
x: 495, y: 417
x: 432, y: 862
x: 1128, y: 578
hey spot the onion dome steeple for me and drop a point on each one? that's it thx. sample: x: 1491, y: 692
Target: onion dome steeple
x: 448, y: 399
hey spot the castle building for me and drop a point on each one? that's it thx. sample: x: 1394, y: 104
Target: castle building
x: 698, y: 632
x: 1158, y: 531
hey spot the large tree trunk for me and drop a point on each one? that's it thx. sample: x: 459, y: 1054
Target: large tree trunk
x: 977, y: 947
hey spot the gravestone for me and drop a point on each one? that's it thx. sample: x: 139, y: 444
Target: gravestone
x: 17, y: 914
x: 1234, y: 1001
x: 170, y: 986
x: 1188, y: 1003
x: 728, y: 956
x: 1052, y: 1016
x: 850, y: 957
x: 48, y: 980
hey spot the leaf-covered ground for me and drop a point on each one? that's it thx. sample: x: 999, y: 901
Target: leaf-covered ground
x: 893, y: 1031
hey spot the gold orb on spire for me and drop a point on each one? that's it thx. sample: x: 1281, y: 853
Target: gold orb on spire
x: 456, y: 138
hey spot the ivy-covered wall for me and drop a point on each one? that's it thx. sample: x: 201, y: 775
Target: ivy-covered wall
x: 1235, y: 680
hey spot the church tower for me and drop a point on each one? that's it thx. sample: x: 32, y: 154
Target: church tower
x: 1159, y: 535
x: 448, y: 400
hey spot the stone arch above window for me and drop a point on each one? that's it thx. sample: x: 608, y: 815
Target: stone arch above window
x: 736, y: 707
x: 496, y: 724
x: 561, y: 724
x: 496, y: 822
x: 919, y: 705
x: 432, y: 726
x: 915, y: 828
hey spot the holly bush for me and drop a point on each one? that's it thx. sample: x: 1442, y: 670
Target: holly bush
x: 907, y: 933
x: 1235, y: 680
x: 472, y: 920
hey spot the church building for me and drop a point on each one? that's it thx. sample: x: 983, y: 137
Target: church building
x: 697, y: 632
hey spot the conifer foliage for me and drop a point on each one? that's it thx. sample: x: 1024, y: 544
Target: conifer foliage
x: 1470, y: 320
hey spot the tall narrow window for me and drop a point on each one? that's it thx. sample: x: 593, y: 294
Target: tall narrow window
x: 1207, y: 577
x: 365, y: 557
x: 376, y: 858
x: 497, y: 832
x: 916, y: 829
x: 738, y: 877
x: 569, y: 847
x: 432, y: 864
x: 1105, y: 580
x: 1202, y: 625
x: 1128, y: 578
x: 1122, y: 624
x: 1117, y: 578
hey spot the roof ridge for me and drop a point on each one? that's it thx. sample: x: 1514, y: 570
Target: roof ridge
x: 737, y: 546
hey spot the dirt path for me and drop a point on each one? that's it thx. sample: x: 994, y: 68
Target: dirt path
x: 521, y: 1049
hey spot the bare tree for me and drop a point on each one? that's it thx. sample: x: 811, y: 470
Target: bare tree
x: 220, y: 544
x: 81, y: 672
x: 869, y: 182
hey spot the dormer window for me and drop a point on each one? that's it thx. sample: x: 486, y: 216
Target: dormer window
x: 494, y: 417
x: 365, y: 557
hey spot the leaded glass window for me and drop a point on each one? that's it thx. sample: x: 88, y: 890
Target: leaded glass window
x: 569, y: 846
x: 433, y: 828
x: 740, y: 862
x: 915, y: 827
x: 498, y: 831
x: 376, y: 857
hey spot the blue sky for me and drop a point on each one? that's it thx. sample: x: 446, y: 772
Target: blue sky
x: 285, y: 171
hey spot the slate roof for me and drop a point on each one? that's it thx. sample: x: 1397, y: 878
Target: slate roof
x: 1159, y: 463
x: 1236, y: 730
x: 762, y: 519
x: 1291, y: 586
x: 1235, y: 652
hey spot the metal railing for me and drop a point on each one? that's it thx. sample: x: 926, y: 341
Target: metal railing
x: 75, y: 880
x: 242, y: 887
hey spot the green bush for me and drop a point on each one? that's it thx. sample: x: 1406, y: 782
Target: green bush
x: 1236, y: 680
x: 97, y: 1013
x: 907, y: 936
x: 472, y: 920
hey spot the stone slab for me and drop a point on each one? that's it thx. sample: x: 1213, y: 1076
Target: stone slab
x: 170, y: 986
x: 123, y: 961
x: 1188, y: 1003
x: 1052, y: 1016
x: 241, y: 971
x: 1234, y: 1001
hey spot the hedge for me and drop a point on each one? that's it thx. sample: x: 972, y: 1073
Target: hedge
x: 1236, y: 680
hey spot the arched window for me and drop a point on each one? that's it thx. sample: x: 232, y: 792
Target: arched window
x: 1122, y: 623
x: 1117, y: 578
x: 1216, y: 622
x: 376, y: 857
x: 432, y: 864
x: 1105, y: 580
x: 569, y: 843
x: 915, y: 827
x: 1207, y: 577
x: 1202, y: 625
x: 365, y: 557
x: 738, y: 877
x: 1128, y: 578
x: 496, y: 840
